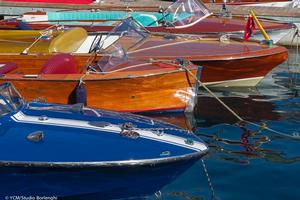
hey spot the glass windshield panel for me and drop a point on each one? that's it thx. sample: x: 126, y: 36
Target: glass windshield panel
x: 115, y: 56
x: 10, y: 99
x: 186, y: 12
x: 130, y: 33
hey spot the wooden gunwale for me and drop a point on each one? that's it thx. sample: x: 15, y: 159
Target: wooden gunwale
x: 93, y: 76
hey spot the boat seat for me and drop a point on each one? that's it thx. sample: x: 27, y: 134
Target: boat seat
x: 7, y: 67
x: 60, y: 64
x: 68, y: 41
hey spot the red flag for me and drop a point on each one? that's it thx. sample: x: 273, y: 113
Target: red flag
x: 250, y: 26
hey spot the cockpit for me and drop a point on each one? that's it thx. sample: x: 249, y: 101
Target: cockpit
x: 128, y: 34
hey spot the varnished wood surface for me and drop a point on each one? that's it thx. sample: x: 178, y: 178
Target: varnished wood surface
x: 242, y: 69
x: 190, y: 47
x: 163, y: 91
x: 221, y: 61
x: 138, y: 90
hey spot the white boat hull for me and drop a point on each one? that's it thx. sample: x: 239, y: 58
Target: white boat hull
x: 246, y: 82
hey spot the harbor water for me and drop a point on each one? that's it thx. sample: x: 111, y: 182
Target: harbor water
x: 246, y: 161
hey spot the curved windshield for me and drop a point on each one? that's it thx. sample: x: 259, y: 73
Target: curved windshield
x: 128, y: 32
x: 116, y: 55
x: 185, y: 13
x: 10, y: 99
x: 124, y: 36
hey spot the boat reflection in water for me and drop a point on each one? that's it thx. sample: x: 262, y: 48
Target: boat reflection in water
x: 230, y: 140
x: 243, y: 158
x: 241, y: 142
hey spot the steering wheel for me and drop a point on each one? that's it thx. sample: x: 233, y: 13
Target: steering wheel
x: 95, y: 45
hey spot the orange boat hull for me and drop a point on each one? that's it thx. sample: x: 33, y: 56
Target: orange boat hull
x: 170, y: 90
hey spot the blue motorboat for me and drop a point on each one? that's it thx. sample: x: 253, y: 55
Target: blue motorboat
x: 72, y: 151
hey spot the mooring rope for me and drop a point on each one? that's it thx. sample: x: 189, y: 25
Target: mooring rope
x: 42, y: 34
x: 215, y: 96
x: 45, y: 32
x: 208, y: 180
x: 234, y: 113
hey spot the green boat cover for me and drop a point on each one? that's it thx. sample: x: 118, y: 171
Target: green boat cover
x: 110, y: 17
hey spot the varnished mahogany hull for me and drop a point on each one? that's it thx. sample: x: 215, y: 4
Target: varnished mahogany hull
x: 222, y: 71
x: 160, y: 92
x: 215, y: 70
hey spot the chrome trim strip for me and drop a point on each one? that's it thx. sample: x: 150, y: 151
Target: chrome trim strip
x: 128, y: 163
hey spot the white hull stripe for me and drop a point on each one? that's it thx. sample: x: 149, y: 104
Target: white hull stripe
x: 165, y: 138
x: 237, y: 82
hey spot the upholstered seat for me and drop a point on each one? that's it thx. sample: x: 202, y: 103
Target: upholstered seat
x: 60, y: 64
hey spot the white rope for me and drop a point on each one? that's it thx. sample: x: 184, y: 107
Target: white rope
x: 234, y: 113
x: 46, y: 32
x: 274, y: 131
x: 213, y: 193
x: 42, y: 34
x: 212, y: 94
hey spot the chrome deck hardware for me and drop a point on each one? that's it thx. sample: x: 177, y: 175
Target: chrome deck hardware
x: 36, y: 136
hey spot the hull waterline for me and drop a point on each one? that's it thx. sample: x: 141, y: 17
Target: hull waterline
x: 90, y: 182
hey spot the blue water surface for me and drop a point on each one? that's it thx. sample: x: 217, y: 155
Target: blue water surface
x: 246, y: 161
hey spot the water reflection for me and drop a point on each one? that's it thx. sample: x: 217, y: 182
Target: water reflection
x: 275, y: 104
x: 243, y: 158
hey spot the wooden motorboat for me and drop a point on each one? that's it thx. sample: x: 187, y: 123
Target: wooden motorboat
x: 128, y: 85
x: 72, y: 150
x: 181, y: 17
x: 134, y: 70
x: 147, y: 87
